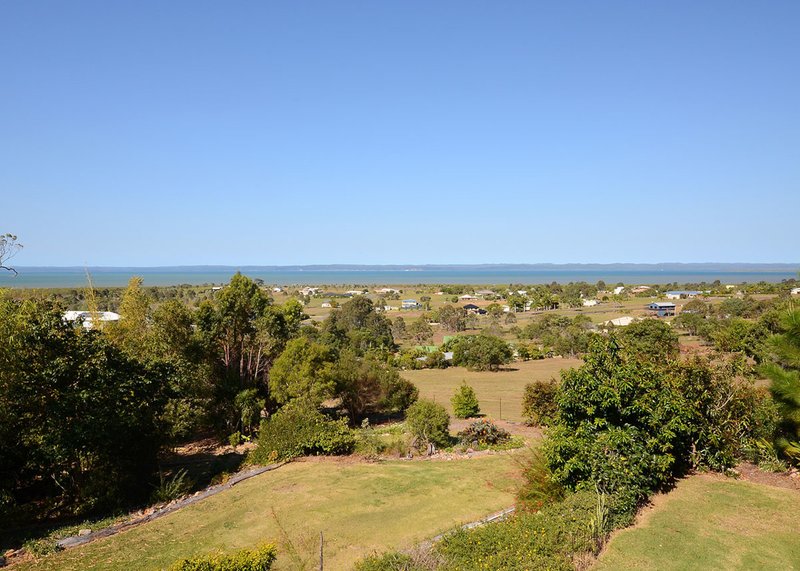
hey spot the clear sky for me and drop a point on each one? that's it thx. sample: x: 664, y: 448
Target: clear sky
x: 166, y: 133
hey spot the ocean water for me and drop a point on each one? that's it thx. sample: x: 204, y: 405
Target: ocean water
x: 117, y: 277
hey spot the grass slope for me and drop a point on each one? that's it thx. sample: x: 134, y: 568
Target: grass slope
x: 360, y: 507
x: 712, y: 523
x: 507, y: 386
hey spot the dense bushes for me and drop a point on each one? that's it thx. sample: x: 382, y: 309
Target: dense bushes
x: 79, y: 429
x: 479, y: 352
x: 260, y: 559
x: 429, y: 423
x: 539, y: 402
x: 483, y: 433
x: 299, y: 429
x: 629, y: 427
x: 465, y: 402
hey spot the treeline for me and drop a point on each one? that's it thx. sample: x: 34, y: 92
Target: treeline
x: 86, y: 412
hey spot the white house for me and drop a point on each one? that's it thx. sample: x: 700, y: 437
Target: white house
x: 467, y: 297
x: 618, y: 290
x: 277, y: 289
x: 387, y: 290
x: 795, y: 291
x: 621, y: 321
x: 87, y: 317
x: 326, y: 304
x: 682, y: 294
x: 309, y: 290
x: 354, y: 292
x: 411, y: 304
x: 590, y: 302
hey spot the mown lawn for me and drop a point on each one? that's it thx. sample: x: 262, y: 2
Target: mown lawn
x: 360, y: 508
x: 712, y: 523
x: 503, y: 389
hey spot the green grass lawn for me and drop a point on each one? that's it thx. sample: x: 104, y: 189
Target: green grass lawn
x: 360, y: 507
x: 504, y: 388
x: 711, y: 523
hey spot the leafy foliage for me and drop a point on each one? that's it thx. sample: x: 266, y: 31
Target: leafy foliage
x: 539, y: 402
x: 480, y: 352
x: 784, y: 373
x: 650, y: 340
x: 259, y: 559
x: 80, y: 425
x: 465, y: 402
x: 483, y: 432
x: 428, y: 422
x: 299, y: 429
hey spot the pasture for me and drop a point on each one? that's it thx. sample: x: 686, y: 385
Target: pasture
x: 503, y: 389
x: 360, y: 507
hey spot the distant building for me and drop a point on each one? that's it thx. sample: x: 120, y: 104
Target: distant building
x: 795, y: 291
x: 309, y: 290
x: 590, y: 302
x: 484, y: 292
x: 467, y: 297
x: 474, y: 309
x: 386, y: 290
x: 354, y: 292
x: 618, y: 290
x: 326, y: 304
x: 662, y: 308
x: 640, y: 289
x: 411, y: 304
x: 277, y: 289
x: 623, y: 321
x: 682, y: 294
x: 86, y: 316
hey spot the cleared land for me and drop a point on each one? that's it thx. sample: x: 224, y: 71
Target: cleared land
x: 709, y: 522
x: 504, y: 388
x: 360, y: 507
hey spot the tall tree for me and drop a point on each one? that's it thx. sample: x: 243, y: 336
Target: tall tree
x: 784, y: 374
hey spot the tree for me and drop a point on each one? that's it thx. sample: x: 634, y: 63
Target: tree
x: 366, y: 385
x: 399, y: 329
x: 420, y: 330
x: 452, y: 318
x: 465, y: 402
x: 651, y: 340
x: 303, y: 371
x: 358, y: 325
x: 429, y: 423
x: 130, y: 332
x: 784, y: 373
x: 9, y: 247
x: 481, y: 352
x: 80, y: 428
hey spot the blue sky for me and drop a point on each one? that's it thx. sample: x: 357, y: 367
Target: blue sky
x: 164, y: 133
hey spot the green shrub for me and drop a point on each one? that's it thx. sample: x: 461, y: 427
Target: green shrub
x: 299, y: 429
x: 465, y: 402
x: 539, y: 402
x: 429, y: 423
x: 172, y: 488
x: 390, y: 440
x: 545, y: 540
x: 539, y: 489
x: 259, y: 559
x: 392, y: 561
x: 483, y: 432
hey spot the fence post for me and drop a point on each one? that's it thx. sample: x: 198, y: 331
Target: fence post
x: 501, y: 409
x: 320, y: 552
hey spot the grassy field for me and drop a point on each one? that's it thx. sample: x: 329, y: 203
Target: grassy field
x: 360, y: 507
x: 504, y: 388
x: 711, y: 523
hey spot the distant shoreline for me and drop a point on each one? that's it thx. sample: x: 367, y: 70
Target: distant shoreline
x: 343, y: 274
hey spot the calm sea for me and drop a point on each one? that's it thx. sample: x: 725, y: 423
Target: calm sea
x: 113, y: 277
